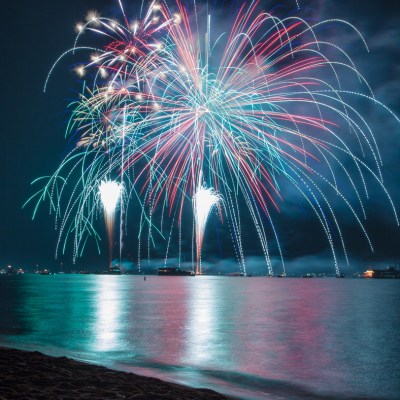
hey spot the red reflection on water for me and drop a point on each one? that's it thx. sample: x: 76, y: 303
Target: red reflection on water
x: 305, y: 330
x: 158, y: 316
x: 290, y: 329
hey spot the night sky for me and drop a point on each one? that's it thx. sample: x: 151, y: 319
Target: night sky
x: 35, y: 32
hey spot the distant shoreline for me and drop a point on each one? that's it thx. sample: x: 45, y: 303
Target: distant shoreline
x: 31, y: 375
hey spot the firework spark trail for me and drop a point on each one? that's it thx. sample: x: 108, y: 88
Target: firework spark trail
x: 258, y: 107
x: 110, y: 194
x: 203, y: 202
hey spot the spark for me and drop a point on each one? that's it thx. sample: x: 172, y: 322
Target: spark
x: 203, y: 202
x: 110, y: 194
x: 177, y: 18
x: 80, y: 70
x: 79, y: 27
x: 93, y: 17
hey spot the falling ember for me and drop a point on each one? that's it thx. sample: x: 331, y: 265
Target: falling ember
x: 79, y: 27
x: 93, y: 17
x: 203, y: 202
x: 110, y: 194
x: 80, y: 71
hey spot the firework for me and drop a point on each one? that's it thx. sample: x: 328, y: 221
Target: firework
x: 203, y: 202
x: 110, y: 194
x: 166, y: 106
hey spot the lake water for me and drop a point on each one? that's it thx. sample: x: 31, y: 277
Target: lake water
x: 255, y: 338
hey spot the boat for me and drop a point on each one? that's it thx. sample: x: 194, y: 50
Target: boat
x: 45, y: 272
x: 11, y: 271
x: 309, y: 275
x: 235, y: 274
x: 387, y: 273
x: 110, y: 271
x: 173, y: 271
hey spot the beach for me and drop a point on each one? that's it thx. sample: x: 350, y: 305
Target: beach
x: 33, y: 375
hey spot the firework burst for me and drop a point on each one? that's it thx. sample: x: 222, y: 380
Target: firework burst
x: 166, y: 106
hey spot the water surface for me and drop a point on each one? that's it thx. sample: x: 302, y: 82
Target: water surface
x: 255, y: 338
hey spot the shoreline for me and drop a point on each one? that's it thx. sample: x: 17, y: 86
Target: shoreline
x: 33, y: 375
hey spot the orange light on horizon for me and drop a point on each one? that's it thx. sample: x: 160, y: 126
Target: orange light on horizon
x: 368, y: 274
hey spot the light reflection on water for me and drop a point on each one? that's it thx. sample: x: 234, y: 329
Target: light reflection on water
x: 252, y: 337
x: 109, y: 305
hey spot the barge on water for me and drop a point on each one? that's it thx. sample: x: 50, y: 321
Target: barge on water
x: 387, y: 273
x: 173, y: 271
x: 110, y: 271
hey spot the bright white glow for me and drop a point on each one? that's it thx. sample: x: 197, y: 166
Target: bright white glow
x: 93, y: 17
x: 80, y: 70
x: 103, y: 72
x: 203, y: 202
x: 79, y: 27
x: 107, y: 323
x: 110, y: 193
x: 134, y: 27
x: 177, y: 18
x: 203, y: 316
x: 95, y: 57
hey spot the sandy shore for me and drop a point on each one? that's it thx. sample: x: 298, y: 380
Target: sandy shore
x: 33, y: 375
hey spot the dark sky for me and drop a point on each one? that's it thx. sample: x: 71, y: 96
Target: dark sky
x: 35, y: 32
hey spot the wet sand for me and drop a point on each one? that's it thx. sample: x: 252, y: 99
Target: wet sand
x: 33, y: 375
